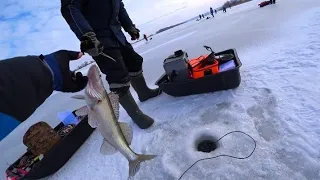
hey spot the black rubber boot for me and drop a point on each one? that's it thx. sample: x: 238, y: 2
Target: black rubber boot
x: 144, y: 92
x: 137, y: 116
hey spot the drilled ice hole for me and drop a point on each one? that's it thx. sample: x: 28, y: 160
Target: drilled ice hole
x: 206, y: 143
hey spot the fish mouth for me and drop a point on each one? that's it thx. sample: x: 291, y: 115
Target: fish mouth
x: 95, y: 89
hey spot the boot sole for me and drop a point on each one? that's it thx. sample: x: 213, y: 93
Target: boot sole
x: 145, y: 99
x: 147, y: 126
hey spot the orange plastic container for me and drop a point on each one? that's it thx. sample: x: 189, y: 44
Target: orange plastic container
x: 199, y: 68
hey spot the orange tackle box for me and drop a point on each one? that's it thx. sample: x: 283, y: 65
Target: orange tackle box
x: 203, y: 66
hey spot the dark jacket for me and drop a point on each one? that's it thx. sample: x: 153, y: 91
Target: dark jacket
x: 104, y: 17
x: 25, y: 83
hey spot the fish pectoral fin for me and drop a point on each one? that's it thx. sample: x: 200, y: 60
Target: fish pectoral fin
x: 126, y: 131
x: 83, y: 111
x: 92, y: 120
x: 114, y: 99
x: 107, y: 148
x: 81, y: 97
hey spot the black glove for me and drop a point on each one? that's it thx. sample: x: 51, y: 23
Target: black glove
x: 134, y: 33
x: 65, y: 80
x: 90, y: 44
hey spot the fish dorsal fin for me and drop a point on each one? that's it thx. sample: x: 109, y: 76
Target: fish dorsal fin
x: 81, y: 97
x: 95, y: 91
x: 92, y: 120
x: 107, y: 149
x: 83, y: 111
x: 126, y: 131
x: 114, y: 99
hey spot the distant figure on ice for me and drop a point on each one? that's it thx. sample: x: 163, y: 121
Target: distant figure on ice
x: 200, y: 16
x: 272, y: 1
x: 215, y: 11
x: 145, y: 37
x: 224, y: 9
x: 211, y: 11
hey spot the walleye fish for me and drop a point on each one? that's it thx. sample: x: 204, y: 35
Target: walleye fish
x: 103, y: 113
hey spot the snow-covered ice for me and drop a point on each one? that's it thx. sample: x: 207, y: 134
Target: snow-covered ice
x: 277, y: 103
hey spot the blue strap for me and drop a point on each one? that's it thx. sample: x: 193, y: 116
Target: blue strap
x: 57, y: 74
x: 7, y: 125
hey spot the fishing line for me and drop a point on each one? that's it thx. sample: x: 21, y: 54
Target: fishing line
x: 224, y: 155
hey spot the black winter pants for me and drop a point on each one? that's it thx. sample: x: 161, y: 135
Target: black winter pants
x: 128, y: 63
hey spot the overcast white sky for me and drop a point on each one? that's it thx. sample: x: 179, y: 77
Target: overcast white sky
x: 32, y: 27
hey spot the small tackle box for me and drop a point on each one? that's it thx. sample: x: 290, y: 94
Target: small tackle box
x: 176, y: 66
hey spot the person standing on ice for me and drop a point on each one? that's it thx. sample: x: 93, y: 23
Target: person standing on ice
x: 97, y: 24
x: 27, y: 81
x: 224, y: 9
x: 145, y: 37
x: 211, y: 11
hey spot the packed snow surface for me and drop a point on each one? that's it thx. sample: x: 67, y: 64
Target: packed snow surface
x: 277, y: 103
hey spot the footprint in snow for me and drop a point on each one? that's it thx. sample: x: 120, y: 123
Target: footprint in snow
x: 264, y: 115
x: 224, y: 105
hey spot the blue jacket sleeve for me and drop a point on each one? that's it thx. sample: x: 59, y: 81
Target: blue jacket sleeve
x: 71, y: 11
x: 7, y: 125
x: 124, y: 18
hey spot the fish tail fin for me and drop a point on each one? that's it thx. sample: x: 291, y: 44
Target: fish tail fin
x: 134, y: 166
